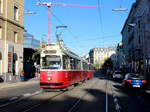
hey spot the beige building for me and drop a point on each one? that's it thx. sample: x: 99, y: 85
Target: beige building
x: 11, y: 36
x: 99, y: 55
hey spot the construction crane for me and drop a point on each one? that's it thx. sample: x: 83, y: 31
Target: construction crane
x: 49, y: 5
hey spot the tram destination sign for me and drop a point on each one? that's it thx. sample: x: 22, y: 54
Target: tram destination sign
x: 49, y: 51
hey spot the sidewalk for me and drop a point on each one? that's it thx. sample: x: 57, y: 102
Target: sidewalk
x: 18, y: 83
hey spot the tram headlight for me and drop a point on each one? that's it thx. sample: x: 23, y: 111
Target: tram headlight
x: 49, y: 78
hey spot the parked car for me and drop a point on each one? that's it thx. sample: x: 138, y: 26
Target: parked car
x: 133, y: 80
x: 117, y: 75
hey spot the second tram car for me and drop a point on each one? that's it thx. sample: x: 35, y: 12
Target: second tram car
x: 61, y: 68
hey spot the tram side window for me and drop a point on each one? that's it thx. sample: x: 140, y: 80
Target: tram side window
x: 66, y: 63
x: 79, y: 64
x: 85, y: 66
x: 72, y: 63
x: 75, y: 64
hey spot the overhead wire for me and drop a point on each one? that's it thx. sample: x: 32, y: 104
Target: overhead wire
x: 100, y: 19
x: 75, y: 37
x: 110, y: 36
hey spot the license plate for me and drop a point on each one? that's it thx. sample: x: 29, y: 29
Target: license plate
x: 136, y: 86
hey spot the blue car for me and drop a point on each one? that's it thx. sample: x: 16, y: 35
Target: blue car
x: 133, y: 80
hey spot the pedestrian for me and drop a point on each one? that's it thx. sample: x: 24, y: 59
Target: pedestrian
x: 22, y: 76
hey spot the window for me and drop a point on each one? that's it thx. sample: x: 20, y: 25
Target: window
x: 139, y: 39
x: 139, y: 24
x: 16, y: 13
x: 66, y: 62
x: 0, y: 32
x: 15, y: 37
x: 51, y: 62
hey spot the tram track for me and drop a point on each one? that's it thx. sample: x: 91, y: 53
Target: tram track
x: 4, y: 107
x: 77, y: 102
x: 52, y: 95
x: 59, y: 94
x: 18, y: 98
x: 71, y: 108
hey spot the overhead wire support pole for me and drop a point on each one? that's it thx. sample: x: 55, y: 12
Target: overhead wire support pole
x: 49, y: 24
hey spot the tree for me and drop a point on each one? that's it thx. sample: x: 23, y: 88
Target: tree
x: 108, y: 63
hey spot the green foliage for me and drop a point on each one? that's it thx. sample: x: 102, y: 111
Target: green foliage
x: 108, y: 63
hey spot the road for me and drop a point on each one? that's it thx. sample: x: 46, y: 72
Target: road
x: 99, y: 94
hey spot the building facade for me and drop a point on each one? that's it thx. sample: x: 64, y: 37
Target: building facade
x: 135, y: 37
x: 121, y: 59
x: 99, y: 55
x: 11, y: 37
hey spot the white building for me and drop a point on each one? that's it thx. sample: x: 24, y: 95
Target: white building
x: 99, y: 55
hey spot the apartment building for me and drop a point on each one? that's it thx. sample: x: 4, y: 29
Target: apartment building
x: 11, y: 37
x: 135, y: 37
x: 99, y: 55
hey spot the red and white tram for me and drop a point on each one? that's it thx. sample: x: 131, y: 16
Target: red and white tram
x: 61, y: 68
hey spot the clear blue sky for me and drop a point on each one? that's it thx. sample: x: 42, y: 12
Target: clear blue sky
x: 87, y: 27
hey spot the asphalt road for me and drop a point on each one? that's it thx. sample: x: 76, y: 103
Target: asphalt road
x: 99, y: 94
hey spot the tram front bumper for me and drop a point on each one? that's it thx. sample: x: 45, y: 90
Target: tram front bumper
x: 51, y: 85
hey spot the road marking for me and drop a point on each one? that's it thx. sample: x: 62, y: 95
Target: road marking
x: 27, y: 94
x: 106, y: 98
x: 32, y: 108
x: 117, y: 106
x: 13, y: 98
x: 37, y: 92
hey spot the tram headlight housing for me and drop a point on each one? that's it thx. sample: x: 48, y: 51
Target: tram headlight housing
x: 49, y: 78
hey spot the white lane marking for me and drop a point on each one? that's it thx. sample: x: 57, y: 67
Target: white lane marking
x: 13, y: 98
x: 18, y: 99
x: 106, y: 98
x: 117, y: 106
x: 27, y: 94
x: 37, y: 92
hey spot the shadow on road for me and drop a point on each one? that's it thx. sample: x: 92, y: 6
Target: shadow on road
x: 94, y: 100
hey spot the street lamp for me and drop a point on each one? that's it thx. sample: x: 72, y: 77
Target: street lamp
x: 120, y: 9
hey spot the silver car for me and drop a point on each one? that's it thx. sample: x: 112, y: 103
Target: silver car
x: 117, y: 75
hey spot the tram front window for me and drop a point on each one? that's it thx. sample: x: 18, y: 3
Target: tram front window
x: 51, y: 62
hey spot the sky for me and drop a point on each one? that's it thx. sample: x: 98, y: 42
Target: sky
x: 87, y: 28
